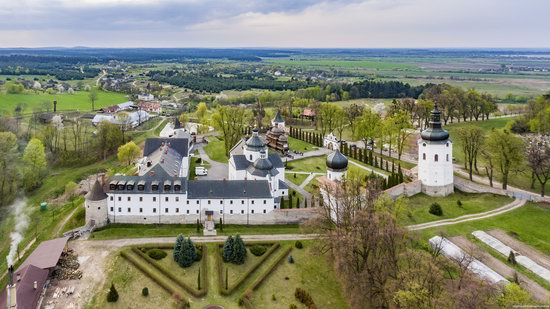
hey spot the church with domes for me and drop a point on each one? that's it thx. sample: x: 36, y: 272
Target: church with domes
x: 435, y: 158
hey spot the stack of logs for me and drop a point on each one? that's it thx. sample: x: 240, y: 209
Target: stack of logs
x: 67, y: 268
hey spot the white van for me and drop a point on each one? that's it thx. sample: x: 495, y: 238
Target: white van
x: 201, y: 171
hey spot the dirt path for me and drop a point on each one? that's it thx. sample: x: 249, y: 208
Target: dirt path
x: 538, y: 292
x: 535, y: 255
x: 472, y: 217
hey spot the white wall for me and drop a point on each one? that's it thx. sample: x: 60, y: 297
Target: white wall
x: 431, y: 172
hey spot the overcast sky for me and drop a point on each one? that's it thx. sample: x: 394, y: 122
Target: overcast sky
x: 275, y: 23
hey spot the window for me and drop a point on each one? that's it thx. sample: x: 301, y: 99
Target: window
x: 154, y: 210
x: 166, y: 199
x: 177, y: 199
x: 177, y: 210
x: 129, y: 199
x: 111, y: 209
x: 423, y: 156
x: 447, y: 144
x: 423, y: 144
x: 188, y: 202
x: 252, y: 211
x: 129, y: 210
x: 141, y: 198
x: 154, y: 198
x: 140, y: 210
x: 208, y: 202
x: 119, y: 209
x: 231, y: 202
x: 221, y: 201
x: 242, y: 211
x: 187, y: 211
x: 119, y: 198
x: 221, y: 212
x: 242, y: 202
x: 231, y: 212
x: 197, y: 202
x: 197, y: 211
x: 250, y: 157
x: 275, y: 207
x: 436, y: 157
x: 265, y: 202
x: 264, y: 211
x: 447, y: 158
x: 252, y: 202
x: 166, y: 210
x: 112, y: 198
x: 99, y: 208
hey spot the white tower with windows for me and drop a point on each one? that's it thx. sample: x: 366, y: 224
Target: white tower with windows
x: 337, y: 166
x: 435, y: 158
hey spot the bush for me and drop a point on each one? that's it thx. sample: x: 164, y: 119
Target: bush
x: 436, y: 210
x: 258, y: 250
x: 298, y: 244
x: 156, y: 254
x: 112, y: 296
x: 292, y: 306
x: 290, y: 259
x: 459, y: 203
x: 145, y: 292
x: 305, y: 298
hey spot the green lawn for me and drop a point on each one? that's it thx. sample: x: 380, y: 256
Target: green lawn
x: 530, y: 224
x: 299, y: 145
x: 77, y: 101
x: 419, y: 205
x: 312, y: 164
x: 189, y: 274
x: 115, y: 231
x: 216, y: 149
x: 297, y: 179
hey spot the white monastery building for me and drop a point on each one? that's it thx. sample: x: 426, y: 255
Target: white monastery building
x: 435, y: 158
x: 162, y: 193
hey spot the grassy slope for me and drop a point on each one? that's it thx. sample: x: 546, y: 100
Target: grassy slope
x: 299, y: 145
x: 77, y: 101
x: 471, y: 203
x: 216, y: 150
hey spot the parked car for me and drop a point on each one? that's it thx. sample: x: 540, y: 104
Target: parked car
x: 201, y: 171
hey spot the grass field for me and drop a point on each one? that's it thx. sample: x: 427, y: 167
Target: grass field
x: 77, y: 101
x: 299, y: 145
x: 471, y: 203
x: 530, y: 224
x: 312, y: 164
x: 296, y: 179
x: 370, y: 63
x: 216, y: 149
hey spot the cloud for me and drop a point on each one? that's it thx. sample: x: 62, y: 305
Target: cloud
x: 275, y: 23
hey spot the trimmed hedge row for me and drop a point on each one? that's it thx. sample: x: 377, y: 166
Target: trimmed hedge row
x: 204, y: 270
x: 154, y: 275
x: 241, y: 280
x: 169, y: 274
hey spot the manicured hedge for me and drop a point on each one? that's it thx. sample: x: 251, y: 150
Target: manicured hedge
x: 258, y: 250
x: 156, y: 254
x: 170, y: 275
x: 241, y: 280
x: 171, y: 288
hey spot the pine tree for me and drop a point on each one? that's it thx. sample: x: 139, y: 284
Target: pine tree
x: 226, y: 278
x: 227, y: 253
x: 282, y: 206
x: 177, y: 247
x: 199, y: 280
x: 239, y: 251
x: 298, y: 202
x: 290, y: 202
x: 112, y: 296
x: 221, y: 225
x: 198, y: 226
x: 188, y: 253
x: 305, y: 202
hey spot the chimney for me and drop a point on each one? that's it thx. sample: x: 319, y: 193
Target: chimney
x: 35, y: 285
x: 11, y: 290
x: 10, y: 275
x: 18, y: 277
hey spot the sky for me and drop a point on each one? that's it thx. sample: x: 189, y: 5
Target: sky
x: 275, y: 23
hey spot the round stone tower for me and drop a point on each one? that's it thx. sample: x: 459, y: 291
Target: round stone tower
x: 435, y: 158
x: 96, y: 205
x: 337, y: 166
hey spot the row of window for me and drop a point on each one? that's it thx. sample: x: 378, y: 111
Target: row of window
x: 177, y: 199
x: 436, y: 157
x: 166, y: 210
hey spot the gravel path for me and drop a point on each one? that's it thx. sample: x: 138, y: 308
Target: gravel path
x: 535, y: 255
x: 472, y: 217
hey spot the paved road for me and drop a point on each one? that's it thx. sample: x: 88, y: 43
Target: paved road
x: 216, y: 171
x: 309, y: 178
x: 303, y: 192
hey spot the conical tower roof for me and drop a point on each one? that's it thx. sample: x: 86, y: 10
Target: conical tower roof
x: 278, y: 118
x: 97, y: 193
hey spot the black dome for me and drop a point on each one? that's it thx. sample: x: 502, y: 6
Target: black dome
x: 263, y: 164
x: 434, y: 132
x: 255, y: 142
x: 337, y: 161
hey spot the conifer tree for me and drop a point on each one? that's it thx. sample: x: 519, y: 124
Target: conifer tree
x: 239, y: 251
x: 227, y: 253
x: 188, y: 253
x: 177, y: 247
x: 112, y: 296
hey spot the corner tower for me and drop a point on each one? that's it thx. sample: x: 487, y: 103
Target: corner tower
x: 95, y: 204
x: 435, y: 158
